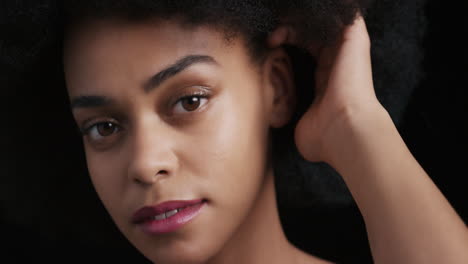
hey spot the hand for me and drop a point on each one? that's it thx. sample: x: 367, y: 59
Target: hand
x: 344, y: 89
x: 348, y: 128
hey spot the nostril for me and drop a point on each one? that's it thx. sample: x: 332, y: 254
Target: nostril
x: 152, y: 179
x: 164, y: 172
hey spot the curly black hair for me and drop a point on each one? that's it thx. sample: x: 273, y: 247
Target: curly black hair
x: 36, y: 34
x: 315, y: 21
x: 32, y: 26
x: 32, y: 33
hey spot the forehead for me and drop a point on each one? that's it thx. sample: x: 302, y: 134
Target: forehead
x: 104, y: 49
x: 163, y: 33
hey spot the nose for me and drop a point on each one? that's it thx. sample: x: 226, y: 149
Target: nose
x: 152, y: 157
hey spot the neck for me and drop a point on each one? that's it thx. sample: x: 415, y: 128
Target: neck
x: 260, y: 239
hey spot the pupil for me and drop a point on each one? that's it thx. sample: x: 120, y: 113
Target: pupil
x: 191, y: 104
x: 105, y: 129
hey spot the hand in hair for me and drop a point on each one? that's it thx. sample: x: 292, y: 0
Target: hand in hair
x: 344, y: 88
x: 408, y: 220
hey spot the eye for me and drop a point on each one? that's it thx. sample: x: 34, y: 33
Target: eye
x: 189, y: 103
x: 101, y: 130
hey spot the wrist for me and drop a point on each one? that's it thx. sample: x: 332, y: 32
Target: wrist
x: 352, y: 129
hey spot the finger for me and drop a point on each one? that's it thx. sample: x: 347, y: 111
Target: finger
x: 325, y: 62
x: 349, y: 61
x: 287, y: 35
x: 356, y: 38
x: 280, y: 36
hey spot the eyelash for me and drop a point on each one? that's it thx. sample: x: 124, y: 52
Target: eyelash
x: 197, y: 94
x: 87, y: 130
x: 200, y: 94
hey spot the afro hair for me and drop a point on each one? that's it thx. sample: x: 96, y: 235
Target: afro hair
x: 32, y: 83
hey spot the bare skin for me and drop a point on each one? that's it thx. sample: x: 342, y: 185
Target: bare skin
x: 408, y: 220
x: 146, y: 146
x: 219, y: 151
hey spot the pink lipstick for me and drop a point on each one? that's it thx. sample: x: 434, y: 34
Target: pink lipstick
x: 168, y: 216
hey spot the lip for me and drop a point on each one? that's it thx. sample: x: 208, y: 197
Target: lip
x: 188, y: 210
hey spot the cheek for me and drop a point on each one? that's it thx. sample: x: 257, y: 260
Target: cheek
x: 229, y: 153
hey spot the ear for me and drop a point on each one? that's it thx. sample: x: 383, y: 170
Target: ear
x: 279, y: 83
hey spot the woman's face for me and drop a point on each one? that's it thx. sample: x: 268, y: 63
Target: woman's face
x: 171, y: 114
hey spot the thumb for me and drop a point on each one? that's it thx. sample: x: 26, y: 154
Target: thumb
x: 350, y: 72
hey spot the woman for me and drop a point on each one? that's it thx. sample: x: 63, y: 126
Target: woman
x: 176, y: 121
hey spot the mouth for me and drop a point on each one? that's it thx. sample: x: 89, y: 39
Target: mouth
x: 168, y: 216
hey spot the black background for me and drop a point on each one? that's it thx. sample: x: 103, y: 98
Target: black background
x: 433, y: 126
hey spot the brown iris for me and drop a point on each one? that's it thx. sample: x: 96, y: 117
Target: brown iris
x: 105, y: 129
x: 191, y: 103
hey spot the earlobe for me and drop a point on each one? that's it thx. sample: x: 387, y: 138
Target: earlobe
x: 280, y: 80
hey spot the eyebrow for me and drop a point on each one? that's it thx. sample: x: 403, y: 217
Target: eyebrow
x: 89, y: 101
x: 179, y: 66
